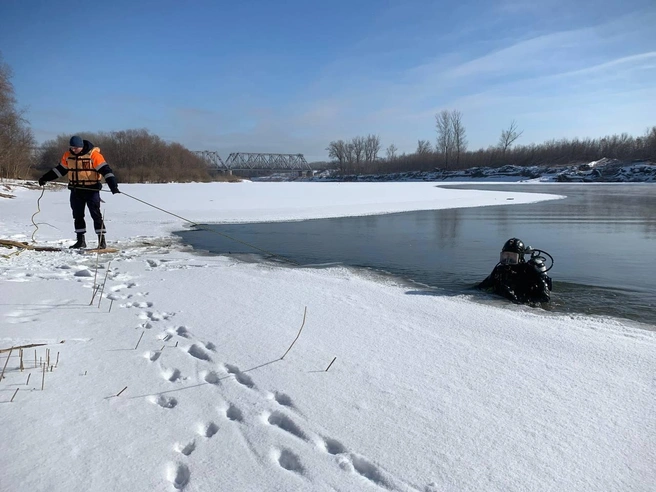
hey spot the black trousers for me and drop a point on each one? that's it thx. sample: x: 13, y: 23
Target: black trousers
x: 90, y: 199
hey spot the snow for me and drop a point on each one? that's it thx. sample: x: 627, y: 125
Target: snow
x: 426, y: 393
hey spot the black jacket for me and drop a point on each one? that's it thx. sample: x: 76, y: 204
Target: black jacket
x: 520, y: 283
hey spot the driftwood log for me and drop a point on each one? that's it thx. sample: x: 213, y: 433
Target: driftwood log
x: 17, y: 244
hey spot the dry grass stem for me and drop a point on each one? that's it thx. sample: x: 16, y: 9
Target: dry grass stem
x: 299, y: 334
x: 331, y: 363
x: 2, y: 375
x: 142, y: 334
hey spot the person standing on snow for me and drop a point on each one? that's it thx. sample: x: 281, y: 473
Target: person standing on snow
x: 84, y: 165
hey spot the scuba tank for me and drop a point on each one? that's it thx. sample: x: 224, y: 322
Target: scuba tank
x: 539, y: 264
x: 538, y: 261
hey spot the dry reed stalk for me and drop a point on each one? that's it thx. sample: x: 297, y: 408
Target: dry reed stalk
x: 299, y: 334
x: 103, y: 285
x: 20, y: 353
x: 12, y: 398
x: 2, y: 375
x: 142, y: 334
x: 34, y: 357
x: 29, y: 345
x: 28, y: 379
x: 331, y: 363
x: 57, y: 361
x: 43, y: 378
x: 119, y: 393
x: 110, y: 306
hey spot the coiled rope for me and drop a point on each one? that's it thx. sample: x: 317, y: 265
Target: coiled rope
x: 38, y: 210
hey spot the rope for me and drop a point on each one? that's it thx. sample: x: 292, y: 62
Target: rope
x: 38, y: 209
x: 195, y: 224
x: 198, y: 226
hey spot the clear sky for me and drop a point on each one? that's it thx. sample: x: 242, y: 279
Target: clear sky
x: 274, y: 76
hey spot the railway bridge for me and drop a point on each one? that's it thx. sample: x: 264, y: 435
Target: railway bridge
x: 256, y: 163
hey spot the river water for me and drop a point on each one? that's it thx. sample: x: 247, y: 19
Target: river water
x: 602, y: 238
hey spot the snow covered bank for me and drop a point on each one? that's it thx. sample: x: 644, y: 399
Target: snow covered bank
x: 426, y: 393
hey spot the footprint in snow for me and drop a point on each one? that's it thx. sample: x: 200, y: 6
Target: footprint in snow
x: 288, y: 460
x: 235, y: 414
x: 164, y: 401
x: 182, y: 331
x: 154, y: 315
x: 365, y: 468
x: 165, y: 336
x: 172, y: 375
x: 178, y: 474
x: 185, y: 449
x: 282, y: 399
x: 198, y: 353
x: 241, y: 378
x: 212, y: 377
x: 283, y: 422
x: 208, y: 430
x: 333, y: 446
x: 152, y: 356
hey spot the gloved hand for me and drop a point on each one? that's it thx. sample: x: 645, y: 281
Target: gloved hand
x: 115, y: 190
x: 42, y: 181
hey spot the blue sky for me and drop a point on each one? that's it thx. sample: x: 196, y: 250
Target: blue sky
x: 273, y: 76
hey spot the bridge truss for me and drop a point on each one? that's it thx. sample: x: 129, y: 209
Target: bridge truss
x: 249, y: 161
x: 212, y: 158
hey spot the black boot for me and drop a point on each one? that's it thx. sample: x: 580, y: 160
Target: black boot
x: 101, y: 241
x: 81, y: 243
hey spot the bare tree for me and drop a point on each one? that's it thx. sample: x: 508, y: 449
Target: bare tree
x: 391, y: 152
x: 371, y: 148
x: 16, y: 138
x: 357, y: 147
x: 424, y: 147
x: 508, y: 137
x: 459, y: 135
x: 339, y: 151
x: 444, y: 135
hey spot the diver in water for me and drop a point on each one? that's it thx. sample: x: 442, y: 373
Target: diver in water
x: 519, y: 280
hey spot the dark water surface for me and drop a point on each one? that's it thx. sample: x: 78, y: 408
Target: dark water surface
x: 602, y: 237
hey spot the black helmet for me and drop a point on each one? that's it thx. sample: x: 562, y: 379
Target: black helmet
x: 514, y: 245
x: 513, y: 252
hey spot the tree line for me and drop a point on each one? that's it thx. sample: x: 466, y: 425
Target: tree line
x: 449, y: 152
x: 16, y: 138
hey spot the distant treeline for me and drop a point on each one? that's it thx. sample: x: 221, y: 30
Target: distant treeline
x: 135, y: 156
x: 550, y: 153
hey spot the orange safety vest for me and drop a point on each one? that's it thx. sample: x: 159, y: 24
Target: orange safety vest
x: 83, y: 168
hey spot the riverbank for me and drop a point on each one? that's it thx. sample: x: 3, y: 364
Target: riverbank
x: 424, y: 393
